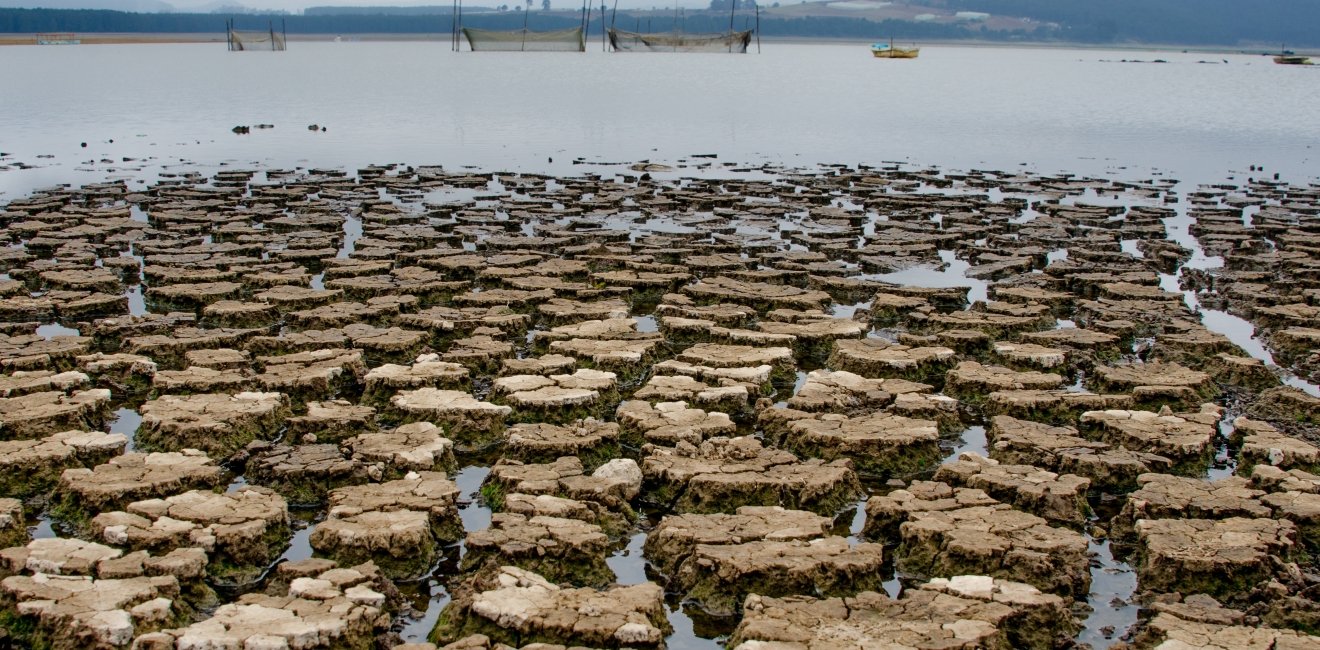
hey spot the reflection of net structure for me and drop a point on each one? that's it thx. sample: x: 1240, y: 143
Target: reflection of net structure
x: 253, y: 41
x: 525, y: 40
x: 624, y: 41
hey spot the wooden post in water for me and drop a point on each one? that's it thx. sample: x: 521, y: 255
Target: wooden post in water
x: 615, y: 14
x: 460, y: 23
x: 733, y: 5
x: 586, y: 23
x: 271, y: 24
x: 284, y: 30
x: 603, y: 46
x: 453, y: 26
x: 758, y: 29
x: 523, y: 47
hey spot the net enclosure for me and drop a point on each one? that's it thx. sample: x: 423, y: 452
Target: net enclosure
x: 525, y: 40
x: 249, y: 41
x: 625, y: 41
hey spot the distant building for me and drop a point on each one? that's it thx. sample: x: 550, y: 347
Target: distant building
x: 971, y: 16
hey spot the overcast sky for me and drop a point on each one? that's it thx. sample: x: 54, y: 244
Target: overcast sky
x: 296, y: 6
x: 299, y: 5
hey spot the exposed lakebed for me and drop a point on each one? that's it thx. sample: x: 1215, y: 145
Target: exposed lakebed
x: 634, y: 409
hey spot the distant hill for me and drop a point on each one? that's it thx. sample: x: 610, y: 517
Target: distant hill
x: 1190, y: 22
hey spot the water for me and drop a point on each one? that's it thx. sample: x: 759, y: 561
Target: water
x: 52, y: 330
x: 126, y: 421
x: 974, y: 440
x: 300, y: 546
x: 1112, y: 586
x: 627, y: 563
x: 474, y: 514
x: 523, y: 111
x: 953, y: 274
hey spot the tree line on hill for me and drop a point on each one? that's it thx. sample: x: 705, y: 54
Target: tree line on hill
x: 1191, y: 22
x: 1188, y: 22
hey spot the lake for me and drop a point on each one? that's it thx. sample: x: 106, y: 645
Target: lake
x: 795, y: 104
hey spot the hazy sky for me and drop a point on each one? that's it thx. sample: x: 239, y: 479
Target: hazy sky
x: 299, y: 5
x: 296, y: 6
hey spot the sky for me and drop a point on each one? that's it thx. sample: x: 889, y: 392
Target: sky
x: 296, y: 6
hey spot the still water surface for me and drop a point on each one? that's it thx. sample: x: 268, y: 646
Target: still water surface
x: 957, y: 107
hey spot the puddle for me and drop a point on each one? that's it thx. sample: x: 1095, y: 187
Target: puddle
x: 685, y: 634
x: 352, y: 233
x: 52, y: 330
x: 647, y: 324
x: 1112, y: 586
x: 430, y: 598
x: 475, y: 514
x: 1224, y: 464
x: 627, y: 563
x: 43, y: 529
x: 973, y: 439
x: 848, y: 311
x: 126, y: 421
x: 137, y: 305
x: 300, y: 547
x: 953, y: 275
x: 237, y: 484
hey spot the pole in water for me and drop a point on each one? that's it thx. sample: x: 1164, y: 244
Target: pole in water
x: 733, y: 5
x: 523, y: 48
x: 284, y: 28
x: 758, y: 29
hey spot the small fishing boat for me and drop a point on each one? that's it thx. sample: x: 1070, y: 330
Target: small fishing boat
x: 1292, y: 59
x: 1289, y: 57
x: 888, y: 51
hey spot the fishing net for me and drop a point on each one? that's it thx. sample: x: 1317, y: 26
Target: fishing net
x: 249, y: 41
x: 624, y: 41
x: 525, y: 40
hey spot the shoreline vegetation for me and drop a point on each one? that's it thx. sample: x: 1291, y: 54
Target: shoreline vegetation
x: 166, y: 38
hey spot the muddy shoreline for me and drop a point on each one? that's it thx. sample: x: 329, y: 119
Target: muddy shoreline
x: 629, y: 408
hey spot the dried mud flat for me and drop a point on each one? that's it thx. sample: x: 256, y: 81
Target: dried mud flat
x: 836, y: 407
